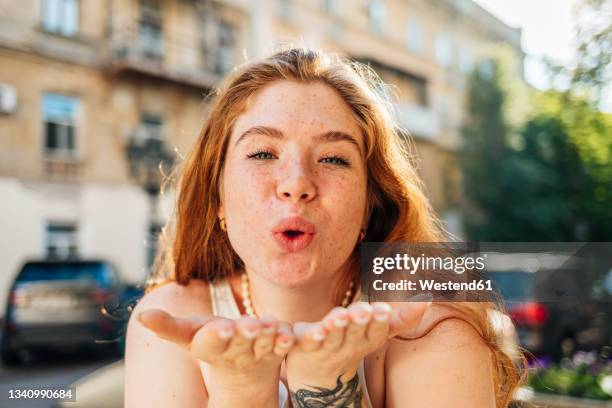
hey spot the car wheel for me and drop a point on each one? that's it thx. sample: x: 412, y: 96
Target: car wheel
x: 9, y: 357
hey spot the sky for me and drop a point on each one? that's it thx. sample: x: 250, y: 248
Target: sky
x: 548, y: 30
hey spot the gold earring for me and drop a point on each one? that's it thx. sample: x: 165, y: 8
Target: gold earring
x: 222, y: 224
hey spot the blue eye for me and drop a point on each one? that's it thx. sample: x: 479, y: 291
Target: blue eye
x: 337, y: 160
x: 259, y: 155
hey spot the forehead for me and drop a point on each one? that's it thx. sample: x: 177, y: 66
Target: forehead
x: 299, y: 109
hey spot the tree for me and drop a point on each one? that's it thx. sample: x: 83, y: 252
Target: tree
x: 552, y: 182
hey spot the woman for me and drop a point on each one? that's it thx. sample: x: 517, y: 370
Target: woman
x: 299, y: 162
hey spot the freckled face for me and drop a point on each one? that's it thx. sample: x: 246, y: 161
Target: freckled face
x: 280, y: 164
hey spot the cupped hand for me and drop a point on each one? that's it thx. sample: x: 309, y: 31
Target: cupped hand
x: 239, y: 355
x: 327, y: 353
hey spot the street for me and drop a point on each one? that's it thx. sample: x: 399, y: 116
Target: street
x: 46, y: 373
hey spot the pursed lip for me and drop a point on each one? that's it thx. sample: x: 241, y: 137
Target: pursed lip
x: 303, y: 232
x: 295, y: 223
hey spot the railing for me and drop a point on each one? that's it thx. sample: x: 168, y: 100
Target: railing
x: 62, y: 169
x: 180, y: 57
x: 421, y: 122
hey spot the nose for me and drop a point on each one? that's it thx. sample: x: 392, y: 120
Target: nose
x: 296, y: 184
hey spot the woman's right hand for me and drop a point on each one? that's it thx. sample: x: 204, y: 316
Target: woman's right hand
x: 242, y: 358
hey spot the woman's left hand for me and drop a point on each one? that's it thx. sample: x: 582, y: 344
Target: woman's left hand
x: 323, y: 366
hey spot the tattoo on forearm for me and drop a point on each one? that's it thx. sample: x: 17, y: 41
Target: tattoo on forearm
x: 342, y: 396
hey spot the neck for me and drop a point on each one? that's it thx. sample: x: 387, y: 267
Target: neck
x: 305, y: 304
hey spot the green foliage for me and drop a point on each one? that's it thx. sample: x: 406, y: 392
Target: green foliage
x: 549, y: 180
x: 581, y: 381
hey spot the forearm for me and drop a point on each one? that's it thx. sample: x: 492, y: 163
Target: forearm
x: 265, y: 397
x: 343, y: 392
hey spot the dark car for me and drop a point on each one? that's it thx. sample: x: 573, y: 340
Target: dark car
x: 56, y: 305
x: 556, y: 328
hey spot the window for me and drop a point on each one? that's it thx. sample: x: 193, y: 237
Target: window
x: 378, y: 16
x: 153, y: 233
x: 151, y: 126
x: 329, y: 6
x: 225, y: 49
x: 414, y: 35
x: 61, y: 240
x: 60, y: 114
x: 60, y: 16
x: 285, y: 10
x: 150, y: 29
x: 443, y: 49
x: 466, y: 60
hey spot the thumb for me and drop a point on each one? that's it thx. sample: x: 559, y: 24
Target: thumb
x: 177, y: 330
x: 407, y: 316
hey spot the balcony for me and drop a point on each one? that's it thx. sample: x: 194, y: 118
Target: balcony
x: 420, y: 121
x: 142, y: 49
x: 62, y: 169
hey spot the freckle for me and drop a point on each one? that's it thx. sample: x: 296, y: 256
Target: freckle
x: 147, y: 344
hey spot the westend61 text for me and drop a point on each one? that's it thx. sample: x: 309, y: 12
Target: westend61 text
x: 430, y: 284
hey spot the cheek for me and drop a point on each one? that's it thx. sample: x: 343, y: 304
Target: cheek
x: 247, y: 188
x: 344, y: 199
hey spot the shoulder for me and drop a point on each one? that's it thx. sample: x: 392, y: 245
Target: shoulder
x: 451, y: 365
x: 178, y: 300
x: 152, y: 363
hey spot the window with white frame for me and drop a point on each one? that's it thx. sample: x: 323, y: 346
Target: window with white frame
x: 61, y: 239
x: 377, y: 12
x: 414, y: 35
x: 443, y: 50
x: 60, y: 117
x: 60, y: 16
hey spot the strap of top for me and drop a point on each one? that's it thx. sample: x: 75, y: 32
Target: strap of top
x: 224, y: 305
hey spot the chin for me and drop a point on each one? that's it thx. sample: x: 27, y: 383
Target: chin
x: 291, y: 274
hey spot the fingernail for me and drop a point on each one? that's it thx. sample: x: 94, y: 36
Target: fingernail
x: 361, y: 318
x: 382, y: 308
x: 226, y: 332
x: 286, y: 340
x: 268, y: 329
x: 249, y: 333
x: 341, y: 322
x: 318, y: 335
x: 381, y: 316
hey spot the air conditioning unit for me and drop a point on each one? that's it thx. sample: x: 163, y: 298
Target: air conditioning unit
x: 8, y: 98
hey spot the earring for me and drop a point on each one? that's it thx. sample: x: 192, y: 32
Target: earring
x: 361, y: 236
x: 222, y: 224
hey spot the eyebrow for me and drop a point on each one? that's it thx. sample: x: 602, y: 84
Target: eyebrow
x: 331, y: 136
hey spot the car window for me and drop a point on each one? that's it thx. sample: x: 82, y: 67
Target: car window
x: 101, y: 273
x: 513, y: 285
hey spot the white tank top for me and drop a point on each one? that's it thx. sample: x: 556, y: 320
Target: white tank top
x: 224, y: 305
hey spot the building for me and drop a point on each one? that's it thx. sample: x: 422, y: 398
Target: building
x: 89, y: 88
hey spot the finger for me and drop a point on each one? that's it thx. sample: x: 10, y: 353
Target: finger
x: 285, y: 339
x: 407, y: 316
x: 168, y: 327
x: 361, y: 314
x: 242, y: 343
x: 378, y: 329
x: 264, y: 343
x: 335, y: 323
x: 309, y: 335
x: 212, y: 339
